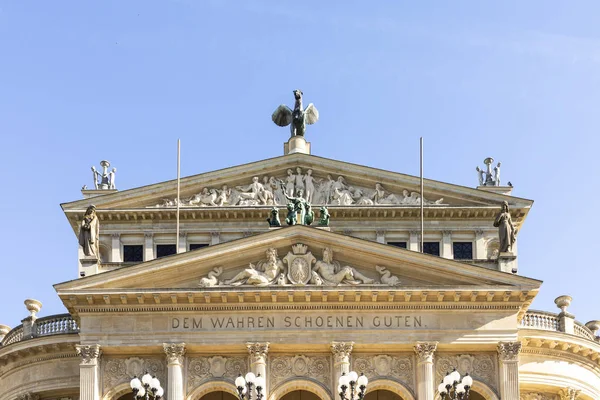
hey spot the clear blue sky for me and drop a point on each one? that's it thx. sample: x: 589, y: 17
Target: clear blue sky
x: 122, y: 80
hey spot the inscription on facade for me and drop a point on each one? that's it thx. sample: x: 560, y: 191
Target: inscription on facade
x: 302, y: 321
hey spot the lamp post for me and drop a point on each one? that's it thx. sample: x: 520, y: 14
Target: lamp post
x: 146, y: 388
x: 348, y: 385
x: 455, y: 388
x: 244, y: 386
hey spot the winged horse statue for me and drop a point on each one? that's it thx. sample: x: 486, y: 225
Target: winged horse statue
x: 296, y: 118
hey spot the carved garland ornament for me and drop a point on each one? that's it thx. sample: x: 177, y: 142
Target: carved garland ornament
x: 509, y: 351
x: 315, y: 367
x: 400, y: 367
x: 482, y: 367
x: 318, y: 191
x: 89, y: 353
x: 120, y: 370
x: 201, y: 369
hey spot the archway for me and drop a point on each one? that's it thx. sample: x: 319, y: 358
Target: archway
x: 382, y: 394
x: 300, y: 395
x: 214, y: 390
x: 218, y: 395
x: 381, y: 386
x: 480, y: 391
x: 304, y: 386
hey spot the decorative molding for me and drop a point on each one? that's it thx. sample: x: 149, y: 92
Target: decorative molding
x: 569, y: 394
x: 89, y: 353
x: 28, y: 396
x: 118, y: 371
x: 174, y: 352
x: 203, y: 369
x: 425, y: 350
x: 398, y: 367
x: 509, y: 351
x: 313, y: 367
x: 538, y: 396
x: 482, y: 367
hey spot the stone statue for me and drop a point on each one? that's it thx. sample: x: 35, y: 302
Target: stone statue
x: 309, y: 185
x: 254, y: 191
x: 274, y: 220
x: 292, y: 215
x: 290, y: 180
x: 297, y: 118
x: 324, y: 217
x: 212, y: 279
x: 309, y: 215
x: 506, y: 230
x: 487, y: 177
x: 89, y: 232
x: 298, y: 211
x: 262, y: 274
x: 104, y: 180
x: 333, y: 274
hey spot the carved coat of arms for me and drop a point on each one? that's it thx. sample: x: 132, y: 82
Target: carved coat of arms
x: 299, y: 262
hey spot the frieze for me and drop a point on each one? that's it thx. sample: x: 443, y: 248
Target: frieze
x: 482, y: 367
x: 395, y: 366
x: 315, y: 367
x: 202, y: 369
x: 116, y: 371
x: 319, y: 189
x: 299, y: 268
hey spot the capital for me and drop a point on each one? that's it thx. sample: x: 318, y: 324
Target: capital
x: 89, y: 353
x: 28, y: 396
x: 174, y: 352
x: 447, y: 233
x: 569, y: 394
x: 509, y: 351
x: 342, y: 349
x: 425, y: 351
x: 258, y: 351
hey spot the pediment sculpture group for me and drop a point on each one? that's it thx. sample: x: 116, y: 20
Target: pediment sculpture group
x: 299, y: 267
x: 322, y: 191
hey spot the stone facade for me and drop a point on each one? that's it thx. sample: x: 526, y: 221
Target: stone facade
x: 300, y: 305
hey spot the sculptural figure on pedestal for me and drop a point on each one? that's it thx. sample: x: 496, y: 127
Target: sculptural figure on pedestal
x: 297, y: 118
x: 487, y: 177
x: 506, y: 230
x: 324, y: 217
x: 89, y: 232
x: 274, y: 218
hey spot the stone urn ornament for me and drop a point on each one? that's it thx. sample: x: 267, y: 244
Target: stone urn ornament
x: 563, y: 302
x: 33, y: 306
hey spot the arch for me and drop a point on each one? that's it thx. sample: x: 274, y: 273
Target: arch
x: 299, y: 384
x: 479, y: 387
x: 392, y: 386
x: 117, y: 391
x: 212, y: 386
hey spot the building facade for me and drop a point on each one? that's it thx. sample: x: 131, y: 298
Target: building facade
x: 199, y: 288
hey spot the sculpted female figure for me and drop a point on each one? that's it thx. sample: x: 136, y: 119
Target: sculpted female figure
x: 290, y: 180
x: 89, y: 232
x: 326, y: 269
x: 506, y: 229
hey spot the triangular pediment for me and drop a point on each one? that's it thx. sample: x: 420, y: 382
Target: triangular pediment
x: 301, y: 264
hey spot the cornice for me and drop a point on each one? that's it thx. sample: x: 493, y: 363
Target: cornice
x: 561, y: 345
x: 37, y: 350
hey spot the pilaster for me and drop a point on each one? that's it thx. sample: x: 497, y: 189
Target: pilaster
x: 215, y: 238
x: 148, y: 247
x: 413, y: 241
x: 182, y: 242
x: 89, y: 377
x: 480, y: 251
x: 446, y: 250
x: 174, y: 352
x: 258, y: 362
x: 425, y: 376
x: 115, y: 248
x: 341, y: 362
x: 380, y: 236
x: 508, y: 353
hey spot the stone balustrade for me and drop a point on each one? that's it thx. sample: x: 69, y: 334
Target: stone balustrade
x: 547, y: 321
x: 52, y: 325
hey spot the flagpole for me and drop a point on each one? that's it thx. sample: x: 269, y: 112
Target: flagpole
x: 422, y: 196
x: 178, y: 188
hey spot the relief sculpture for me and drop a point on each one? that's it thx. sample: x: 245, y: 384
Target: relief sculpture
x: 399, y: 367
x: 120, y: 370
x: 298, y: 267
x: 481, y: 367
x: 315, y: 367
x: 275, y: 191
x: 201, y: 369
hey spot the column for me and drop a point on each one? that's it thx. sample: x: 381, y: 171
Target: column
x: 446, y: 250
x: 89, y: 378
x: 509, y: 369
x: 115, y: 248
x: 258, y: 362
x: 413, y: 240
x: 480, y: 251
x: 182, y: 242
x: 174, y: 352
x: 425, y: 377
x: 341, y: 360
x: 148, y: 247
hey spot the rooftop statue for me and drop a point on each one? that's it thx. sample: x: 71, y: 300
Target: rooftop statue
x: 487, y: 177
x: 106, y: 179
x: 296, y: 118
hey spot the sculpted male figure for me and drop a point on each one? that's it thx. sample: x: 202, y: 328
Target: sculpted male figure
x: 326, y: 269
x: 253, y: 191
x: 252, y: 276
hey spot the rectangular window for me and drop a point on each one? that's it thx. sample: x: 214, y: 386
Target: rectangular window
x: 398, y: 244
x: 194, y: 246
x: 463, y: 250
x: 133, y: 253
x: 432, y: 248
x: 165, y: 250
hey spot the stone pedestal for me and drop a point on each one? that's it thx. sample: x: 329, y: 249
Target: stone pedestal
x: 89, y: 193
x: 89, y: 377
x: 508, y: 353
x: 425, y: 377
x: 89, y: 265
x: 506, y: 262
x: 506, y: 190
x: 341, y: 359
x: 174, y: 352
x: 258, y: 362
x: 296, y: 144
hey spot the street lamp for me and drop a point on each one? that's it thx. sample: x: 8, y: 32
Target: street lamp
x: 455, y: 388
x: 146, y: 388
x: 351, y: 381
x: 244, y: 386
